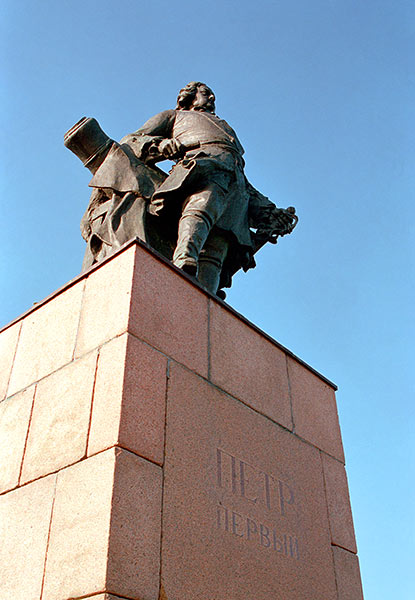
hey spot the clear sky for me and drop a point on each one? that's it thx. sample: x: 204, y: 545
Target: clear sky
x: 321, y: 94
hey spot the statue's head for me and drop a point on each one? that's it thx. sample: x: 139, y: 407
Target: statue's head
x: 196, y: 96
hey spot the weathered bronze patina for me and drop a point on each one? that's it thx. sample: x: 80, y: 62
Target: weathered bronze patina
x: 204, y: 215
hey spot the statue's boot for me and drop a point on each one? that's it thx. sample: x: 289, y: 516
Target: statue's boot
x: 209, y: 274
x: 200, y: 212
x: 211, y: 259
x: 192, y: 234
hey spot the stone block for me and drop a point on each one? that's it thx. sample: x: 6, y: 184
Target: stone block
x: 108, y: 396
x: 78, y: 548
x: 169, y: 313
x: 106, y: 304
x: 129, y: 399
x: 338, y: 502
x: 25, y: 515
x: 349, y: 584
x: 134, y: 542
x: 244, y: 510
x: 60, y: 419
x: 14, y: 424
x: 8, y: 345
x: 104, y: 597
x: 47, y: 339
x: 314, y: 410
x: 105, y: 533
x: 248, y: 366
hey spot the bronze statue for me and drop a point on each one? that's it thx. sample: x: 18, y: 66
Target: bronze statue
x: 204, y: 215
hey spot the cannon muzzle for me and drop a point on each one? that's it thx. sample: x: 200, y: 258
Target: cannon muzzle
x: 90, y: 144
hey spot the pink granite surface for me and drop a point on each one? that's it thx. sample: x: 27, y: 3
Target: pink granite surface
x: 157, y: 446
x: 246, y: 497
x: 247, y: 365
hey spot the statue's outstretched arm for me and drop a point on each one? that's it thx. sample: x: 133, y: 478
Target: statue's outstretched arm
x: 258, y: 204
x: 153, y: 141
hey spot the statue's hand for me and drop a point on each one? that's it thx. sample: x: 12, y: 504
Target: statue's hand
x: 170, y: 148
x: 276, y: 222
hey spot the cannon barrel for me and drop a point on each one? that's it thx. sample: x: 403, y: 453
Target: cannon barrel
x: 89, y: 142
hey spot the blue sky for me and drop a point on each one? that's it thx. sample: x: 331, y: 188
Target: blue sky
x: 321, y: 94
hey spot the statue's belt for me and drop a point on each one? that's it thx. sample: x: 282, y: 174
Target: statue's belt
x: 222, y: 145
x: 225, y: 145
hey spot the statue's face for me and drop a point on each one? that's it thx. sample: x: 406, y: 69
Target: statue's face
x: 204, y: 100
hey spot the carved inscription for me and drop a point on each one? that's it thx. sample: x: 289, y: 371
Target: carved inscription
x: 277, y: 498
x: 243, y: 479
x: 245, y: 527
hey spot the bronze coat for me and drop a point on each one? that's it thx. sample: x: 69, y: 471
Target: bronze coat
x: 212, y: 153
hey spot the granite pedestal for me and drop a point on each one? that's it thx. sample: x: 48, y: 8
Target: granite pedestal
x: 156, y: 445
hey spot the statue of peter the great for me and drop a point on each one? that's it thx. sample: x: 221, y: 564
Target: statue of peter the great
x: 206, y: 194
